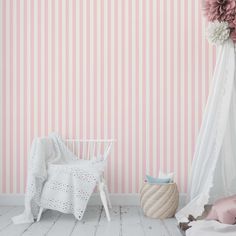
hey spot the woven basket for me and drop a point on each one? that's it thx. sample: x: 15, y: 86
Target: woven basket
x: 159, y: 201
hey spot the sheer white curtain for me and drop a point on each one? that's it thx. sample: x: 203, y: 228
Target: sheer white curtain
x: 213, y: 173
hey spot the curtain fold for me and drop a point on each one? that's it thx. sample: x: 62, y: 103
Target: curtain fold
x: 215, y: 153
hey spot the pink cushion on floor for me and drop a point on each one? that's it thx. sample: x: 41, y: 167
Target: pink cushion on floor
x: 224, y: 210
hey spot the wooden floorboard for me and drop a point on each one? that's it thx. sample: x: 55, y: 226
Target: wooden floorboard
x: 125, y: 221
x: 4, y: 209
x: 5, y: 219
x: 152, y: 227
x: 88, y: 225
x: 48, y: 220
x: 113, y: 228
x: 131, y: 222
x: 63, y: 226
x: 15, y: 230
x: 171, y: 227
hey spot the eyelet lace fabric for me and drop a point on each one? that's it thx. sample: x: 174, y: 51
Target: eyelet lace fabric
x: 58, y: 180
x: 68, y: 189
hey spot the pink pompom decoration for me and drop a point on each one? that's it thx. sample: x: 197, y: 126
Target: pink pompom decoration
x: 222, y: 10
x: 219, y: 10
x: 233, y: 35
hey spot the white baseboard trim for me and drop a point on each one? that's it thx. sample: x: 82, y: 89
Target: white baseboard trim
x: 12, y: 199
x: 116, y: 199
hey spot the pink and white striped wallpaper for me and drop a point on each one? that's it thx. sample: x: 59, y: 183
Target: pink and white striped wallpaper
x: 134, y: 70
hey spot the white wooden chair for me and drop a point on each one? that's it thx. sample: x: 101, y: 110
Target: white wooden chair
x: 92, y: 149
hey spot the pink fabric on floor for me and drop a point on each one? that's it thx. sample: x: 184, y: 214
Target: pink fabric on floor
x: 210, y: 228
x: 224, y: 210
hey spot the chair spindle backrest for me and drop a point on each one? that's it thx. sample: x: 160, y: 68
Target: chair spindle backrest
x: 90, y: 149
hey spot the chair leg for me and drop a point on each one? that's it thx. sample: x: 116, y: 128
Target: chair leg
x: 40, y: 214
x: 107, y: 196
x: 104, y: 200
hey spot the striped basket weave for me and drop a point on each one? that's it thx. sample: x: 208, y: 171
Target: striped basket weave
x: 159, y: 201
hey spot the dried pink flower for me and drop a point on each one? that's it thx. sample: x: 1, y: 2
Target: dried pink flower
x: 233, y: 35
x: 221, y: 10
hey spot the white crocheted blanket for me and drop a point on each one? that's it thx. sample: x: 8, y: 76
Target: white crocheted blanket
x: 57, y: 180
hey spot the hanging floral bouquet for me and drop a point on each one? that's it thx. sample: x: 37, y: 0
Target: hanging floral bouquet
x: 222, y: 17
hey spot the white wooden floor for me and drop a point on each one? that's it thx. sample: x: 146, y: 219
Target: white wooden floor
x: 126, y: 221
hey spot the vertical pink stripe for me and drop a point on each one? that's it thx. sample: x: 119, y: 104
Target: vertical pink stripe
x: 165, y: 86
x: 18, y: 97
x: 123, y: 177
x: 186, y: 43
x: 67, y: 69
x: 137, y: 94
x: 172, y: 77
x: 200, y: 66
x: 11, y: 97
x: 32, y: 70
x: 158, y: 112
x: 95, y: 65
x: 151, y: 157
x: 144, y: 90
x: 193, y: 78
x: 52, y: 45
x: 25, y: 91
x: 39, y: 68
x: 46, y: 68
x: 116, y: 93
x: 130, y: 96
x: 59, y: 66
x: 109, y: 105
x: 74, y: 68
x: 4, y: 119
x: 102, y: 69
x: 81, y: 109
x: 88, y: 67
x: 179, y: 94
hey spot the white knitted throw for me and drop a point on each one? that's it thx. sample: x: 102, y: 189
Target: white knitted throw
x: 57, y: 180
